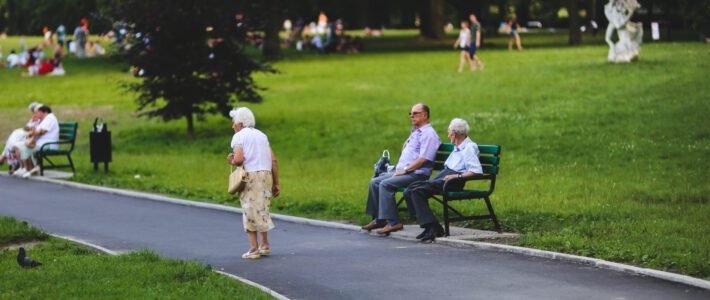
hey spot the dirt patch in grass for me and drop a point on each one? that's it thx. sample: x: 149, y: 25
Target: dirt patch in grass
x: 14, y: 246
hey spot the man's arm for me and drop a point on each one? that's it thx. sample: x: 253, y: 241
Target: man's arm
x: 478, y: 38
x: 416, y: 164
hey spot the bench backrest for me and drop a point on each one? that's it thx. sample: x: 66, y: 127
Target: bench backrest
x: 489, y: 157
x: 67, y: 131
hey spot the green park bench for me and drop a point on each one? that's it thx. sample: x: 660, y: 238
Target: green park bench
x: 490, y: 159
x: 67, y: 138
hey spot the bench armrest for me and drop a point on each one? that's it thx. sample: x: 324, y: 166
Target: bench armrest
x: 47, y: 144
x: 448, y: 184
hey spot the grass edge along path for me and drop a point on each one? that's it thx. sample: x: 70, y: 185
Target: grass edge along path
x: 74, y: 271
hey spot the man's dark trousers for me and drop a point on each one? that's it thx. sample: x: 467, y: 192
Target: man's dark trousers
x: 418, y: 194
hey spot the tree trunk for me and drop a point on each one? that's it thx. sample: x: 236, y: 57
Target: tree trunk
x: 592, y: 15
x: 575, y: 34
x: 523, y: 12
x: 431, y: 14
x: 272, y: 26
x: 190, y: 125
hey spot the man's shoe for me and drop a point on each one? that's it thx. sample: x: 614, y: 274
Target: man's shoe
x: 439, y: 230
x: 421, y: 235
x: 388, y: 229
x: 434, y: 231
x: 373, y: 225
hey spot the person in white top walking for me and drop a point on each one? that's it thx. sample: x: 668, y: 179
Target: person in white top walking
x: 251, y: 149
x: 463, y: 43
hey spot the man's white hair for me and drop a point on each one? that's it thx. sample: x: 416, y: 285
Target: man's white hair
x: 33, y: 106
x: 459, y: 126
x: 244, y: 116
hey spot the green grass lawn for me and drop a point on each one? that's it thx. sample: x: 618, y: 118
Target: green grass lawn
x: 72, y: 271
x: 601, y: 160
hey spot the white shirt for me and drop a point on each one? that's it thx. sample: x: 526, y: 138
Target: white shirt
x: 51, y: 125
x: 13, y: 60
x: 256, y: 149
x: 464, y: 158
x: 463, y: 38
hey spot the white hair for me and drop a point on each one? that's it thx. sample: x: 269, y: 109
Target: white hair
x: 244, y: 116
x: 459, y: 126
x: 33, y: 106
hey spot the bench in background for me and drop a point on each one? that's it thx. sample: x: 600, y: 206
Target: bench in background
x: 67, y: 138
x: 490, y: 160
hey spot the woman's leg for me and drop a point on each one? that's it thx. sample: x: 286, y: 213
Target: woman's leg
x: 253, y: 243
x: 462, y: 60
x: 517, y: 41
x: 264, y: 240
x: 510, y: 43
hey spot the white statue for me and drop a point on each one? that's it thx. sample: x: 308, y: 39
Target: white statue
x: 619, y: 12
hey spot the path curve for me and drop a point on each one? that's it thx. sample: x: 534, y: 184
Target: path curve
x: 310, y: 262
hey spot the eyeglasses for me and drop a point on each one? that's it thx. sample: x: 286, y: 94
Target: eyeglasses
x: 414, y: 113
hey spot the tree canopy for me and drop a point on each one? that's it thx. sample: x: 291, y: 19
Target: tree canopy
x: 189, y: 57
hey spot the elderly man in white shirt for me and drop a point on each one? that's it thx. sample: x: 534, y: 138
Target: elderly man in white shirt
x: 463, y: 162
x: 47, y: 131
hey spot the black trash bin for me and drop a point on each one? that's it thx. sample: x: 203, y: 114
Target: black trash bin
x: 100, y: 144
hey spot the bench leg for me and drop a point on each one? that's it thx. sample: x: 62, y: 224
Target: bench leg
x: 41, y: 164
x: 71, y: 163
x: 446, y: 216
x: 493, y: 215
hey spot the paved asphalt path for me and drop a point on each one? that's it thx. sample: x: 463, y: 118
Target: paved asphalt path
x: 311, y: 262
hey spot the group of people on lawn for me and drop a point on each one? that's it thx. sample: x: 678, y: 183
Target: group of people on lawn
x: 24, y: 142
x: 251, y: 149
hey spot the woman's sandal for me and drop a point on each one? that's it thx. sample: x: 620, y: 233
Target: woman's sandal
x: 251, y: 254
x: 264, y: 251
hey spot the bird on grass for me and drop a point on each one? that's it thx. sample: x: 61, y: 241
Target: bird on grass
x: 25, y: 261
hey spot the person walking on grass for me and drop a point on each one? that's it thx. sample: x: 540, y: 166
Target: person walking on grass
x: 514, y: 31
x: 463, y: 162
x: 463, y: 42
x: 251, y: 149
x: 475, y: 29
x: 415, y: 164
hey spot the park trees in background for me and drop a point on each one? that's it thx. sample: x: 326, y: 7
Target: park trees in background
x: 575, y: 33
x: 30, y: 16
x: 431, y: 13
x: 189, y: 58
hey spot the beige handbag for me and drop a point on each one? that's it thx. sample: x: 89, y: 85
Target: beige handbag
x: 237, y: 180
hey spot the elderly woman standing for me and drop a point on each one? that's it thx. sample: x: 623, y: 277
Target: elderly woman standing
x: 252, y: 150
x: 462, y: 162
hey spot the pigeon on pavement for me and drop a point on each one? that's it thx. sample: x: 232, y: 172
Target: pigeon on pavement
x: 25, y: 261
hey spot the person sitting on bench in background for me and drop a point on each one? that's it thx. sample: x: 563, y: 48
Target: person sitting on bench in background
x: 47, y: 131
x: 415, y: 164
x: 19, y: 135
x: 463, y: 162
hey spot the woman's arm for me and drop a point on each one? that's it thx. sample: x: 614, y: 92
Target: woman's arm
x: 275, y: 174
x: 237, y: 157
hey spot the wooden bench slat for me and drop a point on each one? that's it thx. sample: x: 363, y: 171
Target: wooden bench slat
x: 489, y: 160
x: 489, y: 149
